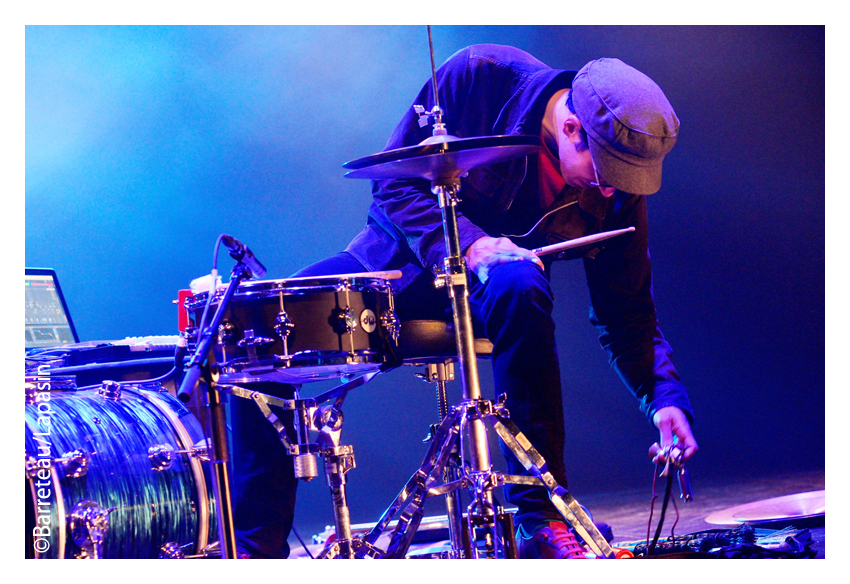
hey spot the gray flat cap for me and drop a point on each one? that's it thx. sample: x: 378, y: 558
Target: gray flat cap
x: 629, y: 123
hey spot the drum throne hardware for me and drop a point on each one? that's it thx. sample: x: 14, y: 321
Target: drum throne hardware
x: 443, y: 159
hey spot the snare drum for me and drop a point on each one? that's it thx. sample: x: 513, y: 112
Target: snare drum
x: 303, y: 329
x: 113, y: 472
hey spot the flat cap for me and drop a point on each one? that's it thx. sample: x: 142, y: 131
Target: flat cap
x: 629, y: 122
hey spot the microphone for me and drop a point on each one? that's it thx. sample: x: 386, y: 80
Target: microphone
x: 240, y: 252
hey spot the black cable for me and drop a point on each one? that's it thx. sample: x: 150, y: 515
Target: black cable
x: 667, y: 491
x: 304, y: 545
x: 213, y: 284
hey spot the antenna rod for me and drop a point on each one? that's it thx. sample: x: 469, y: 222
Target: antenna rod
x: 433, y: 70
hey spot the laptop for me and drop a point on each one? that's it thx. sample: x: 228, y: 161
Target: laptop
x: 48, y: 322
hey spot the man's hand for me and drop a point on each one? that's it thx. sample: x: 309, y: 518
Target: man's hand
x: 488, y: 252
x: 671, y: 421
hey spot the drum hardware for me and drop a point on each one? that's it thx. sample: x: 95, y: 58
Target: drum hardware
x: 226, y: 333
x: 174, y: 551
x: 390, y: 321
x: 250, y: 343
x: 88, y: 524
x: 283, y: 326
x: 162, y: 456
x: 345, y: 321
x: 337, y: 458
x: 440, y: 374
x: 443, y: 160
x: 171, y: 551
x: 73, y: 464
x: 110, y: 389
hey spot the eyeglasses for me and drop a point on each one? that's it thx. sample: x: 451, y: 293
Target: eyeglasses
x: 601, y: 185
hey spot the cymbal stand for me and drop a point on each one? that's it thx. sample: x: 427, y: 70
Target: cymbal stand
x: 463, y: 431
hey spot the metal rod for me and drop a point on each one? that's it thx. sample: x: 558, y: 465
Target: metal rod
x: 433, y: 69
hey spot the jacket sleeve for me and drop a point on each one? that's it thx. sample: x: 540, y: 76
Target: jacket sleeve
x: 408, y: 205
x: 622, y: 309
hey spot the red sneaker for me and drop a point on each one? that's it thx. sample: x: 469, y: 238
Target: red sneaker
x: 553, y: 541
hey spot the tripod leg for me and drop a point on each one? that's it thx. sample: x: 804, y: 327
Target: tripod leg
x: 454, y: 514
x: 440, y: 374
x: 412, y: 497
x: 563, y: 501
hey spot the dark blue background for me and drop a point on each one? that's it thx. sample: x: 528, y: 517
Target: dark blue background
x: 143, y: 144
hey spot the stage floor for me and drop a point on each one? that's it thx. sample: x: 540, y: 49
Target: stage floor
x: 628, y: 511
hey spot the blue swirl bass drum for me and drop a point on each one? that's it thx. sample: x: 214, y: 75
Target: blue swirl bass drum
x: 113, y: 472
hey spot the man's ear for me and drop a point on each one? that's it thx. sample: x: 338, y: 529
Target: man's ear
x: 571, y: 127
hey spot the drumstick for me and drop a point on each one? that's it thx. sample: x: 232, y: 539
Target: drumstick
x: 579, y: 241
x: 388, y: 275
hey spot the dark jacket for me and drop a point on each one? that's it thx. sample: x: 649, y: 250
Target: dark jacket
x: 491, y: 90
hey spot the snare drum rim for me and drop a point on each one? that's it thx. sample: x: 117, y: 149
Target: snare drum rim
x: 260, y: 288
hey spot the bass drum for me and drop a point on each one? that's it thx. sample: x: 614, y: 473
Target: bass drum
x: 113, y: 472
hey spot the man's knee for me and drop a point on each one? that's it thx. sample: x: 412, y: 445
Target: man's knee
x: 520, y: 282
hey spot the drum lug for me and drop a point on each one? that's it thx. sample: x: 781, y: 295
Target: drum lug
x: 74, y: 464
x: 391, y: 323
x: 345, y: 321
x: 226, y: 332
x: 171, y: 551
x: 161, y: 456
x: 110, y: 389
x: 283, y: 325
x: 88, y: 524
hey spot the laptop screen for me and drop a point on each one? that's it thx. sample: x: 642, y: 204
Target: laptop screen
x: 48, y: 323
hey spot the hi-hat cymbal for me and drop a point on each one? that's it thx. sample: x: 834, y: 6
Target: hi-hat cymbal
x: 442, y: 159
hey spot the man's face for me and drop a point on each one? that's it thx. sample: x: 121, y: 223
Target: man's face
x: 576, y: 164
